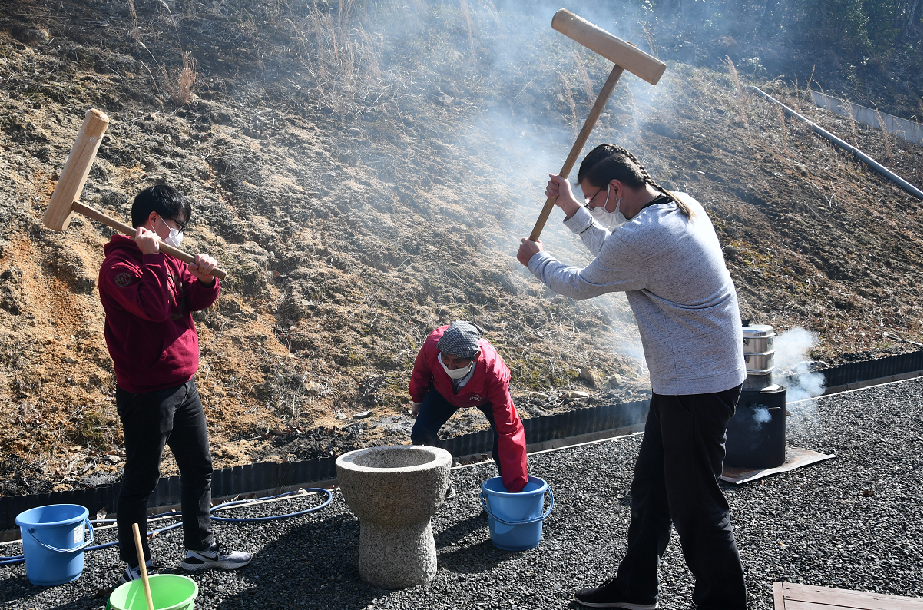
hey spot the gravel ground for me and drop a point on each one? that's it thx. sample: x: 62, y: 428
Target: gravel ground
x: 851, y: 522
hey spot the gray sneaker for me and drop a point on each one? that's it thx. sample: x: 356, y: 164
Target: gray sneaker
x: 212, y: 558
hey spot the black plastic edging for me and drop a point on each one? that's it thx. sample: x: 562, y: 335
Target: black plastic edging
x: 262, y: 476
x: 226, y: 482
x: 857, y: 372
x: 550, y: 427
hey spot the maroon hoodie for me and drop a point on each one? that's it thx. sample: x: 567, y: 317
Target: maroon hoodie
x: 149, y: 300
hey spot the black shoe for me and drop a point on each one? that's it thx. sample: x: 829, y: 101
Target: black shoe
x: 449, y: 492
x: 608, y: 596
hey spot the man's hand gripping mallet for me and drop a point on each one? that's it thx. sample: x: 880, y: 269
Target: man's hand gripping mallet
x: 626, y: 57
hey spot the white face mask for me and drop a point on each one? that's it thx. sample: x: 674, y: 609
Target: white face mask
x: 175, y: 238
x: 456, y: 374
x: 609, y: 220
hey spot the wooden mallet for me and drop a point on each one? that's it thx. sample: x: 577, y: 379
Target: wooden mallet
x: 624, y: 55
x: 70, y: 185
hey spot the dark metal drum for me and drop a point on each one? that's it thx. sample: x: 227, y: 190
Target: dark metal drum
x: 756, y: 433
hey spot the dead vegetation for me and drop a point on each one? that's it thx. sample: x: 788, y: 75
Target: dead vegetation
x: 363, y: 185
x: 181, y: 84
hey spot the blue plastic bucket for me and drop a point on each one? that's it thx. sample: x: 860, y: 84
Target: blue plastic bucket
x: 515, y: 519
x: 53, y: 542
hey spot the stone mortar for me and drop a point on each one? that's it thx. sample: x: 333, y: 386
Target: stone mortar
x: 395, y: 490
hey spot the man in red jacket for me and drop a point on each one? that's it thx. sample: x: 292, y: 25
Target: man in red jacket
x: 456, y: 368
x: 149, y: 297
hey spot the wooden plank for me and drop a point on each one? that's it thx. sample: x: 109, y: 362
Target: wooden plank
x: 791, y: 604
x: 849, y: 599
x: 805, y: 597
x: 778, y: 598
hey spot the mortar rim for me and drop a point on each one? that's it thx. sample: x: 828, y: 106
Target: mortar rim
x: 440, y: 459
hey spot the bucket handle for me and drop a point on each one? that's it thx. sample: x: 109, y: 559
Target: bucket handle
x: 86, y: 522
x: 484, y: 503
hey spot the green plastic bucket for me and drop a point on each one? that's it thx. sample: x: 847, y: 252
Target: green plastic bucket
x: 168, y: 592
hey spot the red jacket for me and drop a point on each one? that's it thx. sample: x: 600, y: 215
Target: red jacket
x: 149, y: 300
x: 490, y: 383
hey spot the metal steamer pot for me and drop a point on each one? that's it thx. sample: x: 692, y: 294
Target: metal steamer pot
x: 758, y: 338
x: 758, y: 352
x: 760, y: 364
x: 756, y: 432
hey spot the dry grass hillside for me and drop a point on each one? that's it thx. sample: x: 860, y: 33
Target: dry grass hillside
x: 364, y: 171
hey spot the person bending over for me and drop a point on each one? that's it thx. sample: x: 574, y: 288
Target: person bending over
x: 456, y: 369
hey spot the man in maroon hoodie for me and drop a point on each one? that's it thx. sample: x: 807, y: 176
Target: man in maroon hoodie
x: 149, y: 297
x: 454, y: 369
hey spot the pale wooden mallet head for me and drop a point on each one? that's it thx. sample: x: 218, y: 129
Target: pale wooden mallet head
x: 619, y: 52
x: 625, y: 56
x: 76, y: 170
x: 64, y: 200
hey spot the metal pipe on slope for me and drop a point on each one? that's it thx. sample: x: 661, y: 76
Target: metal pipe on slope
x: 878, y: 167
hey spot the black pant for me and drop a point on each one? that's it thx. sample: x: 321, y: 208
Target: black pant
x: 435, y: 411
x: 173, y: 417
x: 675, y: 479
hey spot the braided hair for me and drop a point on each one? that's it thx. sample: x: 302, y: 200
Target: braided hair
x: 608, y: 162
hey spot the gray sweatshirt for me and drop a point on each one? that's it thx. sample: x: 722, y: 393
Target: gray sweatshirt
x: 673, y: 273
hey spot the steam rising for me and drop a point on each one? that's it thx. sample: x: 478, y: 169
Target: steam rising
x: 518, y: 104
x: 793, y: 369
x: 760, y: 416
x: 535, y: 116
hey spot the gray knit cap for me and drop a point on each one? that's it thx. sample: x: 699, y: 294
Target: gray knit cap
x: 460, y: 339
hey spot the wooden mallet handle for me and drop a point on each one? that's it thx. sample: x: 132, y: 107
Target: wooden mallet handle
x: 123, y: 228
x: 625, y: 56
x: 582, y: 137
x: 143, y: 566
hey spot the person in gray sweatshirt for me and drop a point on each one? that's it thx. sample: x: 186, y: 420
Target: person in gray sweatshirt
x: 661, y: 249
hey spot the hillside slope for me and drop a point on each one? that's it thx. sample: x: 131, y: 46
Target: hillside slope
x: 363, y: 185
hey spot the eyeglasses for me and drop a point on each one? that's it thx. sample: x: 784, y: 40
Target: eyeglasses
x: 587, y: 202
x: 181, y: 225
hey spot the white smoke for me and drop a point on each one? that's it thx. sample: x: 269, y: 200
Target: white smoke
x: 793, y: 369
x: 760, y: 417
